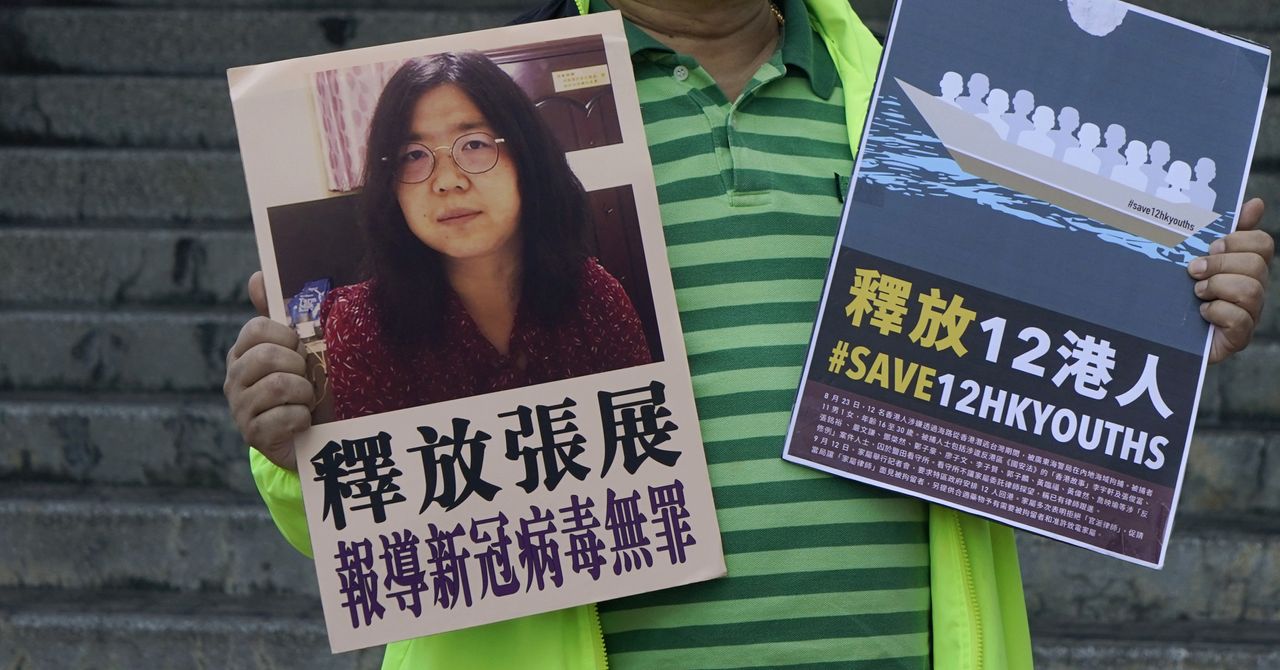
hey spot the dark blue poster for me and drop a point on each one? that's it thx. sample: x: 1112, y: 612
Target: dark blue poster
x: 1008, y: 324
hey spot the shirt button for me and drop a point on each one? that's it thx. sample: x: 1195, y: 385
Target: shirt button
x: 681, y: 73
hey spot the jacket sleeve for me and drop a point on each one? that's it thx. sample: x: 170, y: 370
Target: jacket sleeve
x: 281, y: 490
x: 979, y: 615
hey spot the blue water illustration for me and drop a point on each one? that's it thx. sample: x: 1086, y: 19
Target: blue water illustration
x: 903, y: 159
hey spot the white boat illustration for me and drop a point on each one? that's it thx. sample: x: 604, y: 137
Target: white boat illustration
x: 980, y: 151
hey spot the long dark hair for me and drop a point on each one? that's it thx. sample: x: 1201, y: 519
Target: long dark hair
x: 409, y: 288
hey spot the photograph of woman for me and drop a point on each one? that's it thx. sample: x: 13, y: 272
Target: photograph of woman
x: 479, y: 278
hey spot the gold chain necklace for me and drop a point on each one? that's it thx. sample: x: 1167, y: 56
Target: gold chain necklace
x: 777, y: 15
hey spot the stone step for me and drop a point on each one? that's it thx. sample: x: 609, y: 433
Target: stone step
x: 112, y: 110
x: 182, y: 185
x: 1265, y: 183
x: 1232, y: 471
x: 136, y: 441
x: 1247, y: 382
x: 135, y: 350
x: 194, y: 112
x: 127, y: 184
x: 1267, y: 150
x: 208, y: 41
x: 47, y: 265
x: 1199, y: 645
x: 1217, y: 568
x: 167, y: 539
x: 150, y: 538
x: 1269, y: 325
x: 126, y: 630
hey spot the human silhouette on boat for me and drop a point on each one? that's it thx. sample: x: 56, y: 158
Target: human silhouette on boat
x: 1111, y: 154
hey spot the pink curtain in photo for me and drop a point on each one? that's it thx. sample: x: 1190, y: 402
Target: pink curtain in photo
x: 345, y: 100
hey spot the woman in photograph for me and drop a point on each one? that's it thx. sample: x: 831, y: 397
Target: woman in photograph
x: 479, y: 275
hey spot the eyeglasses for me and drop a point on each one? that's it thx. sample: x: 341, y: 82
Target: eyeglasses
x: 473, y: 153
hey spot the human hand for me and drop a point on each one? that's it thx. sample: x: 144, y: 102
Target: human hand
x: 266, y: 387
x: 1233, y: 281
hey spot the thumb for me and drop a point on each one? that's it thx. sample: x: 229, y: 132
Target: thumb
x: 1251, y: 214
x: 258, y: 292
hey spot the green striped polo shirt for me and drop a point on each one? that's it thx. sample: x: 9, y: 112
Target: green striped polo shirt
x: 823, y: 572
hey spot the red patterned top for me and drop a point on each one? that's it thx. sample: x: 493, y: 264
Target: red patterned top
x: 602, y: 333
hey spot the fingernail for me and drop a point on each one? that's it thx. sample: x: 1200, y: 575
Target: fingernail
x: 1198, y: 266
x: 1204, y: 309
x: 1217, y: 247
x: 1201, y: 286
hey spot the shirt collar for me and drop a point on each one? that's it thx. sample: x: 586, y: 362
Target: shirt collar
x: 802, y: 49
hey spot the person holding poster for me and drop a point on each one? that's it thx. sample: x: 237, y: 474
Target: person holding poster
x: 750, y: 107
x: 476, y: 226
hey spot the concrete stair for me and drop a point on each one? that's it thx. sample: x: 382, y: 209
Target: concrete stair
x: 1195, y: 645
x: 130, y: 533
x: 135, y: 628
